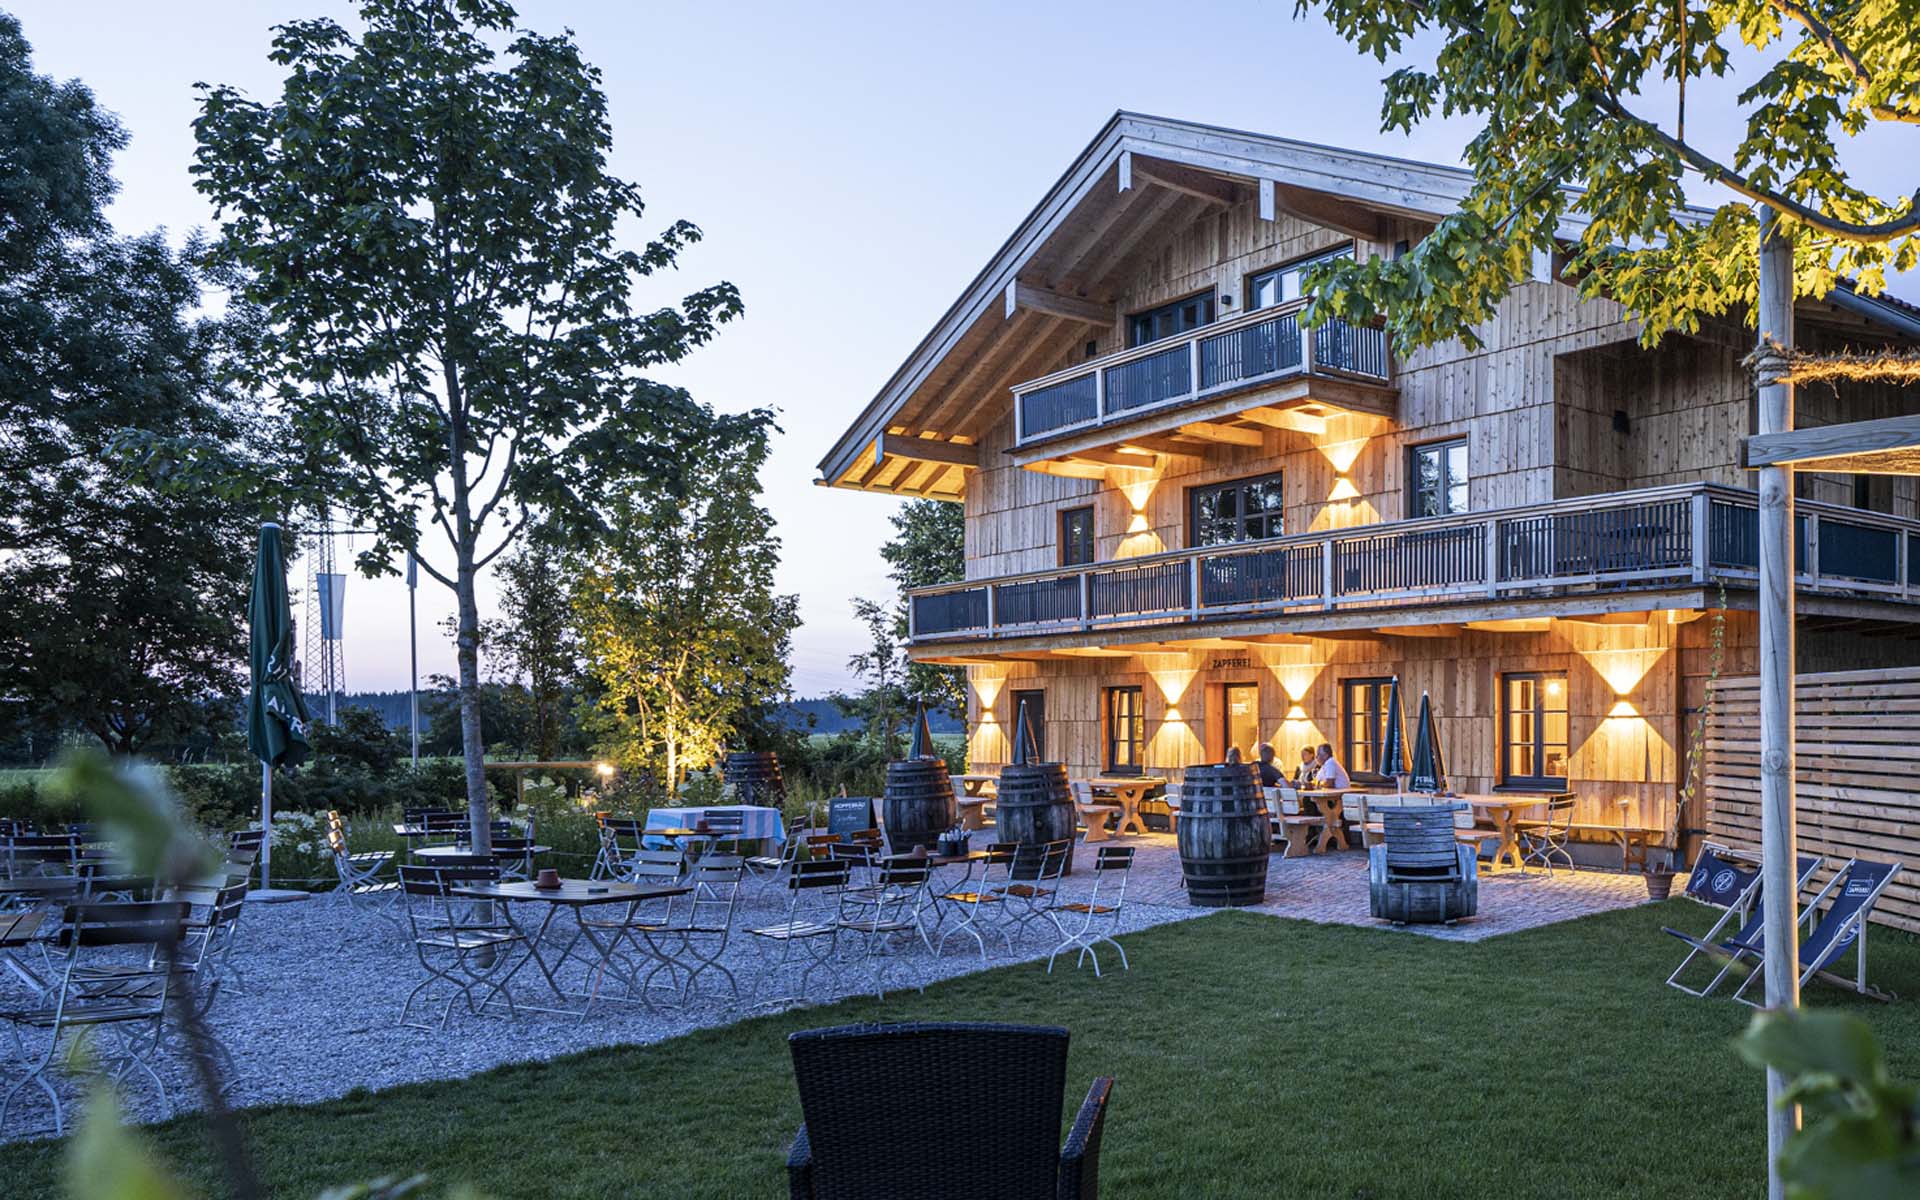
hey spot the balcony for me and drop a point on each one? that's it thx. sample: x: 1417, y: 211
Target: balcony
x: 1661, y: 537
x: 1254, y: 350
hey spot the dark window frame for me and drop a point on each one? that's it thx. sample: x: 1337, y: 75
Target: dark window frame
x: 1415, y: 509
x: 1014, y: 696
x: 1251, y: 285
x: 1066, y: 544
x: 1137, y: 723
x: 1540, y: 744
x: 1151, y: 318
x: 1199, y: 492
x: 1379, y: 687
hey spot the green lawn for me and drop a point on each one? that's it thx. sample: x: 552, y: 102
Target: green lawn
x: 1254, y: 1057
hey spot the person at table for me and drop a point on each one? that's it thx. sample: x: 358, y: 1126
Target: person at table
x: 1329, y: 773
x: 1309, y: 767
x: 1269, y: 774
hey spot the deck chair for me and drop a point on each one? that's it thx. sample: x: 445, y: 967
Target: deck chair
x: 1710, y: 875
x: 1851, y: 895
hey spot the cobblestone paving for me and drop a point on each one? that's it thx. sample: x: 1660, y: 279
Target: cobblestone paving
x: 1332, y: 889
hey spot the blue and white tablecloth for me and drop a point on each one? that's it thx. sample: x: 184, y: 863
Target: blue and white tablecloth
x: 756, y: 823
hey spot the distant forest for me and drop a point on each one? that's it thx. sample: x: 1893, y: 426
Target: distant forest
x: 826, y: 717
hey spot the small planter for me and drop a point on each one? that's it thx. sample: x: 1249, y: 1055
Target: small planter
x: 1659, y: 884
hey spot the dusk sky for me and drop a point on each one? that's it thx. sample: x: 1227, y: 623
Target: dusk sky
x: 853, y: 166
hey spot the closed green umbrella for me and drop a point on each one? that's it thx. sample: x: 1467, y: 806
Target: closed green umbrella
x: 1429, y: 765
x: 276, y: 712
x: 1393, y: 738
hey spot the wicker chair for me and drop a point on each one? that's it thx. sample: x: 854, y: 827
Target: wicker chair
x: 882, y: 1103
x: 1420, y: 874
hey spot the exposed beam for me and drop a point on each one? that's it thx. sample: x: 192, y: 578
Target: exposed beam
x: 1421, y: 631
x: 1890, y: 446
x: 1317, y: 208
x: 1114, y: 457
x: 1286, y: 418
x: 894, y: 445
x: 1513, y: 625
x: 1266, y: 200
x: 1125, y: 171
x: 1058, y: 266
x: 1187, y: 181
x: 1168, y: 443
x: 1171, y: 207
x: 1066, y: 469
x: 1043, y: 348
x: 1229, y: 434
x: 1073, y: 308
x: 993, y: 363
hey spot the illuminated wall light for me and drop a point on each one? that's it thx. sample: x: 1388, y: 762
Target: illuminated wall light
x: 1342, y: 455
x: 1172, y: 716
x: 1296, y: 714
x: 1623, y: 667
x: 1343, y: 489
x: 1622, y: 708
x: 987, y: 687
x: 1173, y: 684
x: 1138, y: 524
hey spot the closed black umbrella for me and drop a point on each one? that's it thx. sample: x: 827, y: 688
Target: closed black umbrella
x: 276, y: 712
x: 1393, y: 738
x: 1429, y: 766
x: 1023, y: 740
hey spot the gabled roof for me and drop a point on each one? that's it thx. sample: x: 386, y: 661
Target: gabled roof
x: 1187, y: 157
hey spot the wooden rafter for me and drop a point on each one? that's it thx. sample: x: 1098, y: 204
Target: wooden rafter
x: 1059, y: 304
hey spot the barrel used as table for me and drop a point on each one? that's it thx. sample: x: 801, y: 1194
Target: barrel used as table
x: 1034, y: 806
x: 918, y: 806
x: 1224, y: 836
x: 755, y: 776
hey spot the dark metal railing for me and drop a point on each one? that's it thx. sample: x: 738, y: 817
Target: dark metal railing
x: 1659, y: 537
x: 1249, y: 349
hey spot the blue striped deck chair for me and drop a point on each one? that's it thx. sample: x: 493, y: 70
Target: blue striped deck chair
x: 1853, y: 892
x: 1741, y: 891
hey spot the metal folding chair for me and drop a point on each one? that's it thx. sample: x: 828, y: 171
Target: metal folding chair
x: 1034, y: 877
x: 1543, y: 841
x: 886, y: 917
x: 1084, y: 924
x: 694, y: 944
x: 362, y: 875
x: 812, y: 924
x: 454, y: 942
x: 971, y: 906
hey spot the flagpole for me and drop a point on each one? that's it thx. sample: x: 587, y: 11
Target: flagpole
x: 266, y: 826
x: 413, y: 657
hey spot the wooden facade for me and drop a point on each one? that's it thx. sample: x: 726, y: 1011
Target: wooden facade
x: 1558, y: 402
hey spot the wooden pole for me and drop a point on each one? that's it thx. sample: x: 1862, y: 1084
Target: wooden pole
x: 1779, y: 896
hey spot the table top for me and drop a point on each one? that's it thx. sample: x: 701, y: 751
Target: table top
x: 18, y: 929
x: 570, y: 891
x: 977, y: 777
x: 466, y: 851
x: 1115, y: 781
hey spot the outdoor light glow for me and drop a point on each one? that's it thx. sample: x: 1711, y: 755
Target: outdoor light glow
x: 1343, y: 489
x: 1343, y: 454
x: 1623, y: 667
x: 605, y: 769
x: 1297, y: 668
x: 987, y: 687
x: 1138, y: 524
x: 1173, y: 685
x: 1296, y: 714
x: 1622, y: 708
x: 1138, y: 493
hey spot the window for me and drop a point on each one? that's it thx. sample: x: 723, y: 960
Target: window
x: 1036, y: 702
x: 1533, y: 730
x: 1126, y: 730
x: 1282, y: 284
x: 1363, y: 716
x: 1437, y: 479
x: 1240, y: 708
x: 1076, y: 537
x: 1244, y: 510
x: 1169, y: 319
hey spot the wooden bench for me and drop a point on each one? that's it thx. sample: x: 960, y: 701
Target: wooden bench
x: 1294, y: 828
x: 973, y: 811
x: 1634, y: 840
x: 1095, y: 815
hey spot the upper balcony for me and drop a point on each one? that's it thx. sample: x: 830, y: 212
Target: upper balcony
x: 1216, y: 372
x: 1647, y: 540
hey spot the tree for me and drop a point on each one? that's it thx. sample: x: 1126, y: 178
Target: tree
x: 928, y: 547
x: 123, y: 598
x: 685, y: 638
x: 1568, y: 97
x: 429, y: 234
x: 533, y: 645
x: 882, y: 705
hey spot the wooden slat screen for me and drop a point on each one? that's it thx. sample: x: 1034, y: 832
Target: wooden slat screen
x: 1858, y: 774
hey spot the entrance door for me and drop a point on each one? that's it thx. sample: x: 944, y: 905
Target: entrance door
x: 1036, y: 702
x: 1242, y: 709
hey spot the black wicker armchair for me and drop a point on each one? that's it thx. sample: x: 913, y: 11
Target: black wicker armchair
x: 904, y: 1110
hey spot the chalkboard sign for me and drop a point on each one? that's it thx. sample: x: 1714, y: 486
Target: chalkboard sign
x: 850, y: 814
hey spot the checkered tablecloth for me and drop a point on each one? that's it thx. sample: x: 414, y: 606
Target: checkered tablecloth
x: 756, y: 823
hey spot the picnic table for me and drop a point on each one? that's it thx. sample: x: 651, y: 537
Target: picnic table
x: 1129, y: 791
x: 667, y: 826
x: 1327, y: 802
x: 976, y: 791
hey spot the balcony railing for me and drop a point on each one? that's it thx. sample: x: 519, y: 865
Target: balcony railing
x: 1255, y: 348
x: 1698, y: 533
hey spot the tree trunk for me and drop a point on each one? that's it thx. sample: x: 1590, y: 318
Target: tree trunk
x: 472, y: 743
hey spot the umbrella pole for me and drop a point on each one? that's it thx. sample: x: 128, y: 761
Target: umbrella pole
x: 266, y: 893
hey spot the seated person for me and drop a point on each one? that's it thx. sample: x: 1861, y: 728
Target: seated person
x: 1309, y: 767
x: 1269, y: 774
x: 1330, y: 774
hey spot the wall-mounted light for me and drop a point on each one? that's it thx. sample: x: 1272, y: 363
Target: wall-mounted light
x: 1623, y: 708
x: 1296, y: 713
x: 1343, y: 489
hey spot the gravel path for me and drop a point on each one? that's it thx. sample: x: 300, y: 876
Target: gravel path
x: 322, y: 983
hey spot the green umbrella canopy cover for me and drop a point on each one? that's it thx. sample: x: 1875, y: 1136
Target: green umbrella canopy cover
x: 276, y: 712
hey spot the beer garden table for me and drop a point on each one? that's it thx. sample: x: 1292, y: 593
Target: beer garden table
x: 1129, y: 790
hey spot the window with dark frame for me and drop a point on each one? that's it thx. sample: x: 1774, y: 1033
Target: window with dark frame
x: 1533, y: 730
x: 1240, y: 510
x: 1277, y: 285
x: 1170, y: 320
x: 1437, y: 479
x: 1076, y: 536
x: 1363, y: 711
x: 1126, y: 730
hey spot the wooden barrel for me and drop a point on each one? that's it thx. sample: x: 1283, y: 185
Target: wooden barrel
x: 918, y: 806
x: 1034, y: 806
x: 755, y: 776
x: 1224, y: 837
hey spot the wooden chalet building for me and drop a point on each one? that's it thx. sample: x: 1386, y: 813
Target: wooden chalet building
x: 1191, y: 525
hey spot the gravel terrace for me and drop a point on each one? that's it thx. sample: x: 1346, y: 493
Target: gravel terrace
x: 316, y: 1015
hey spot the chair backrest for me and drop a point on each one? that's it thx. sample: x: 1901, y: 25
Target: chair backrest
x: 865, y: 1096
x: 723, y: 821
x: 444, y: 821
x: 656, y: 866
x: 1082, y: 791
x: 1854, y: 892
x: 1420, y: 840
x: 1716, y: 881
x: 1112, y: 858
x: 819, y: 873
x: 125, y: 923
x: 1054, y: 858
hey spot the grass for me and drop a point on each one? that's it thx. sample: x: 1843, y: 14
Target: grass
x: 1254, y: 1057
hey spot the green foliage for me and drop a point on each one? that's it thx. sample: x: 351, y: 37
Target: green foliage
x: 533, y: 647
x: 1571, y: 144
x: 1860, y: 1131
x: 123, y: 599
x: 928, y: 547
x: 362, y: 739
x: 428, y: 245
x: 685, y: 638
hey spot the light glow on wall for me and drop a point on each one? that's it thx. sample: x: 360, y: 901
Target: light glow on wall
x: 1296, y: 667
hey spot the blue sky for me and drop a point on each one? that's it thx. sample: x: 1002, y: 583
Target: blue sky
x: 853, y: 166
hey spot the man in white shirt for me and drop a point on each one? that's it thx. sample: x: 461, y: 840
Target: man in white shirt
x: 1330, y: 773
